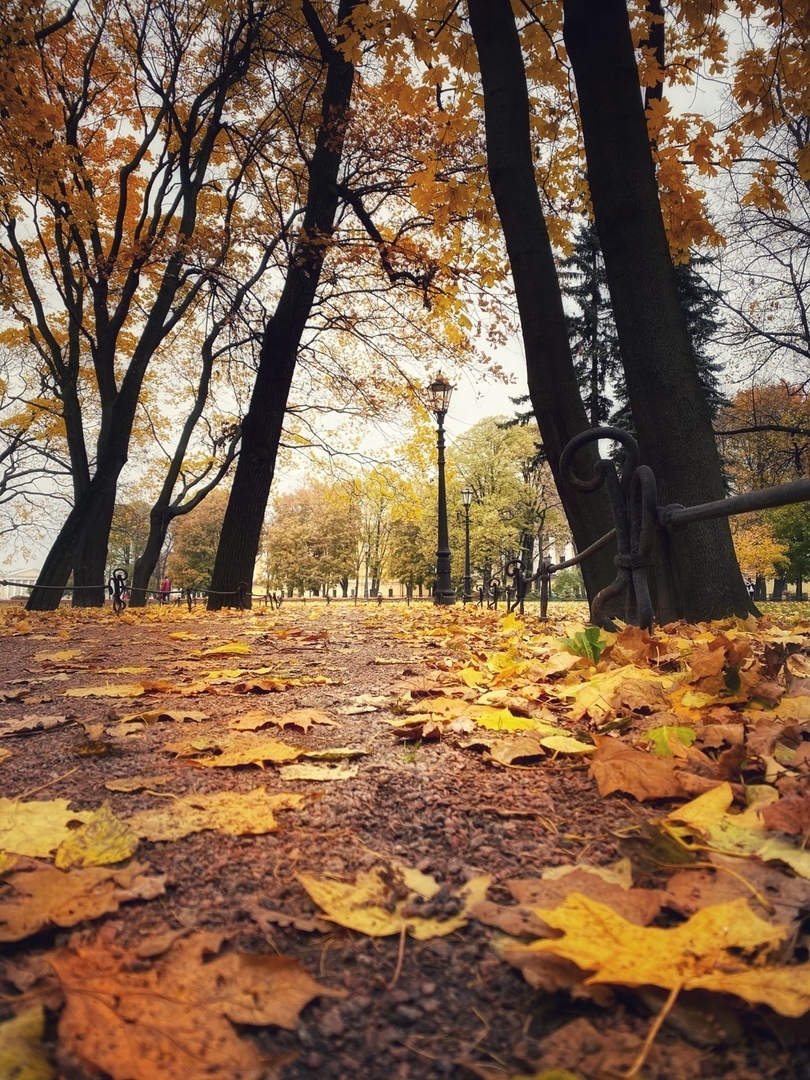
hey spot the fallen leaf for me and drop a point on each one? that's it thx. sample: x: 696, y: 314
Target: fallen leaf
x: 639, y: 906
x: 102, y: 839
x: 36, y: 828
x: 341, y: 771
x: 21, y: 1054
x: 302, y: 718
x: 231, y: 648
x: 336, y: 753
x: 308, y: 924
x: 31, y: 723
x: 383, y: 900
x: 137, y: 783
x: 154, y: 716
x: 253, y: 752
x: 229, y: 812
x: 789, y: 815
x: 714, y: 950
x: 618, y: 767
x: 33, y: 899
x: 122, y: 690
x: 175, y: 1020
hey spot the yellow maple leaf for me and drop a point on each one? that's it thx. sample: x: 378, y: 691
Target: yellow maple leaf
x: 21, y: 1053
x: 721, y: 948
x: 102, y: 840
x: 230, y: 812
x: 36, y: 828
x: 386, y: 899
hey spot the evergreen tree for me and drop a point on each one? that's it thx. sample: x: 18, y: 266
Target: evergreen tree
x: 592, y: 330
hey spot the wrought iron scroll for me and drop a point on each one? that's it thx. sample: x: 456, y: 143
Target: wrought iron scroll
x: 637, y: 516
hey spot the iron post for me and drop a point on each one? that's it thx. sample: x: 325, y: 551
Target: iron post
x: 439, y: 392
x: 466, y: 498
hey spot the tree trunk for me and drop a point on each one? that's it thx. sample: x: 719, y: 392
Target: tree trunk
x: 90, y: 564
x: 261, y: 429
x: 778, y: 591
x: 159, y: 521
x: 669, y: 407
x: 59, y: 562
x: 553, y: 386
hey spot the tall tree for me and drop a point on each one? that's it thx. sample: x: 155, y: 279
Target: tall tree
x: 550, y: 370
x: 670, y: 411
x: 261, y: 428
x: 110, y: 233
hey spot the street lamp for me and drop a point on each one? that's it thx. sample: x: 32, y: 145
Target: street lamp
x: 466, y: 498
x: 438, y: 401
x: 366, y: 553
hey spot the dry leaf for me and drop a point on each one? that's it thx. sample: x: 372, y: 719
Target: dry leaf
x: 21, y: 1054
x: 232, y: 648
x: 175, y: 1020
x: 252, y: 752
x: 36, y: 828
x: 44, y: 896
x: 132, y: 690
x: 31, y: 723
x: 229, y: 812
x: 341, y: 771
x: 617, y: 767
x: 137, y: 783
x: 389, y: 897
x: 302, y: 718
x: 103, y: 839
x: 721, y: 948
x: 638, y: 906
x: 154, y: 716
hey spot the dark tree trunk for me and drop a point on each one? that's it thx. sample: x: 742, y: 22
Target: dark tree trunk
x: 59, y: 562
x: 159, y: 521
x: 90, y: 564
x: 669, y: 407
x: 261, y: 429
x: 760, y: 588
x: 778, y: 591
x: 552, y: 380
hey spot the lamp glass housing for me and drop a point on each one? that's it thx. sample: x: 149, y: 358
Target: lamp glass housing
x: 438, y: 394
x: 467, y: 496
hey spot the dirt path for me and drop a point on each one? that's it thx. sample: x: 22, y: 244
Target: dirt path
x: 444, y: 1006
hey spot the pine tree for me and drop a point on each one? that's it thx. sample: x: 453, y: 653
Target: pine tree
x: 592, y: 330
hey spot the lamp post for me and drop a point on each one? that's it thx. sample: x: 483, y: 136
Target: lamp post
x: 466, y: 498
x: 438, y: 401
x: 366, y: 553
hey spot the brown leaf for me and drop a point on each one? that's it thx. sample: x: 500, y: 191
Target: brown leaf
x: 175, y: 1020
x: 308, y: 924
x: 790, y: 815
x: 617, y: 767
x: 638, y: 906
x: 44, y: 896
x: 32, y: 723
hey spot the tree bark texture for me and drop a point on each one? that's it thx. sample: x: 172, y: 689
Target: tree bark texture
x: 670, y: 411
x: 551, y: 376
x: 261, y: 429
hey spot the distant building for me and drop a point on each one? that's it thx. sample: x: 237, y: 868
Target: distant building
x: 24, y: 580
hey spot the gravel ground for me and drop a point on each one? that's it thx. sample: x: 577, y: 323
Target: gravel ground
x: 446, y: 1007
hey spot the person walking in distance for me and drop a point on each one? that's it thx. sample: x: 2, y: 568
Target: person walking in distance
x: 165, y: 590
